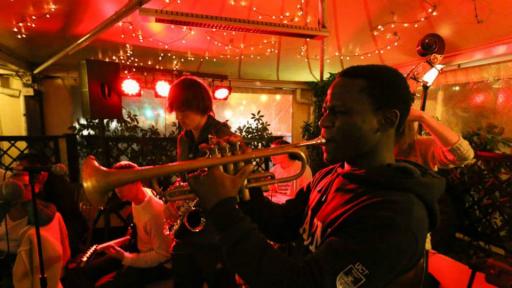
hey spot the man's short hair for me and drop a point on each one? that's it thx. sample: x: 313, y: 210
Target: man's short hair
x: 386, y: 88
x: 125, y: 165
x: 190, y: 93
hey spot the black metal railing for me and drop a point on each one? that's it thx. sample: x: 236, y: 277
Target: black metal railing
x: 481, y: 198
x: 55, y: 148
x: 108, y: 150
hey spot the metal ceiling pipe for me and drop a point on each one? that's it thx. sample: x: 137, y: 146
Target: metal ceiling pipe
x: 322, y: 16
x: 126, y: 10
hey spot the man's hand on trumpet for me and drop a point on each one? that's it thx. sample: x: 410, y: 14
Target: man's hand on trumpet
x: 215, y: 185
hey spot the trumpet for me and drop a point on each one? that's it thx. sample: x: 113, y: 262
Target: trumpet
x: 98, y: 181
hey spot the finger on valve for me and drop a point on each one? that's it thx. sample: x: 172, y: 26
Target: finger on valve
x: 225, y: 151
x: 237, y: 148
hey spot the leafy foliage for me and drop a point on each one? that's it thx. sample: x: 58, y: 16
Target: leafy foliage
x: 124, y: 139
x: 310, y: 129
x: 488, y: 138
x: 128, y: 126
x: 256, y: 131
x: 481, y: 193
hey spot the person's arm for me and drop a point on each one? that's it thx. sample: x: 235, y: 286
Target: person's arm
x: 375, y: 243
x: 161, y: 246
x: 278, y: 222
x: 442, y: 133
x: 453, y: 149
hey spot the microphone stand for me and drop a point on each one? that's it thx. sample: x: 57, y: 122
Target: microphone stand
x: 424, y: 88
x: 32, y: 179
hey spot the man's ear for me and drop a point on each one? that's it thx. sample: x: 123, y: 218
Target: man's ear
x: 389, y: 119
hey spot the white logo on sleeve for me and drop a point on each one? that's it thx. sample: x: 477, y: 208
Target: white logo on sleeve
x: 352, y: 276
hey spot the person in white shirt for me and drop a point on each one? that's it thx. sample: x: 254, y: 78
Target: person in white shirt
x: 284, y: 166
x: 154, y: 240
x: 18, y: 236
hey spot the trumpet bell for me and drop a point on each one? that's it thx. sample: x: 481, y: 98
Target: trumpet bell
x: 95, y: 181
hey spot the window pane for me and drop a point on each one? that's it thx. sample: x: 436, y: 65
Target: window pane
x: 276, y: 109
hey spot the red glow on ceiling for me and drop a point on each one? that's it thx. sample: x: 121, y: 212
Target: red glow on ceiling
x: 162, y: 88
x: 130, y: 87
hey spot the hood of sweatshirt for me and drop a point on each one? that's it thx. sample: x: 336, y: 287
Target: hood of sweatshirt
x: 405, y: 176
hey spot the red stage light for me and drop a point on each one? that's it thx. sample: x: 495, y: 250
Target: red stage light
x: 162, y: 88
x: 221, y: 92
x: 130, y: 87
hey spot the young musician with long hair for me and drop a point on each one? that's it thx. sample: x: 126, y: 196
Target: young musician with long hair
x: 197, y: 257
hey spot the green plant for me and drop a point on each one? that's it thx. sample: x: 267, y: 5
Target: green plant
x: 128, y: 126
x: 480, y: 194
x: 256, y: 131
x: 310, y: 129
x: 488, y: 138
x: 112, y: 140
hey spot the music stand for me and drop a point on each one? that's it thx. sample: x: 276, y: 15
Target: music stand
x: 110, y: 207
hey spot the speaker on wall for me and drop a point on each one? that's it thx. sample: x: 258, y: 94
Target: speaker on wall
x: 101, y: 98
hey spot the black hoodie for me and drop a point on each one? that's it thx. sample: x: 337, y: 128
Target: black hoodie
x: 359, y: 228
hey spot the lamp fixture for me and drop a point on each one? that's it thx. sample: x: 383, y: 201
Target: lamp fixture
x: 221, y: 92
x: 130, y: 87
x: 162, y: 88
x: 431, y: 75
x: 425, y: 73
x: 233, y: 24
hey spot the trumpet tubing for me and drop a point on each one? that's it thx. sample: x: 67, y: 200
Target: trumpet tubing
x: 98, y: 181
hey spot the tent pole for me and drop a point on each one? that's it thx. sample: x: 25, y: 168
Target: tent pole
x: 126, y: 10
x: 321, y: 22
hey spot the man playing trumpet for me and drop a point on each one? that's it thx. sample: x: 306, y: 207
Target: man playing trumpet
x: 363, y: 220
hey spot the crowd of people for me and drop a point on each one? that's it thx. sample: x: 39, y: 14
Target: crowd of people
x: 361, y: 222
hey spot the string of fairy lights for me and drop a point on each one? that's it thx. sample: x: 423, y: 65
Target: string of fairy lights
x: 228, y: 45
x: 229, y: 48
x: 387, y: 29
x: 382, y: 28
x: 23, y: 25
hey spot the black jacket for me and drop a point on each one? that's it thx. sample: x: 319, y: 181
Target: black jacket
x: 359, y: 228
x: 188, y: 149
